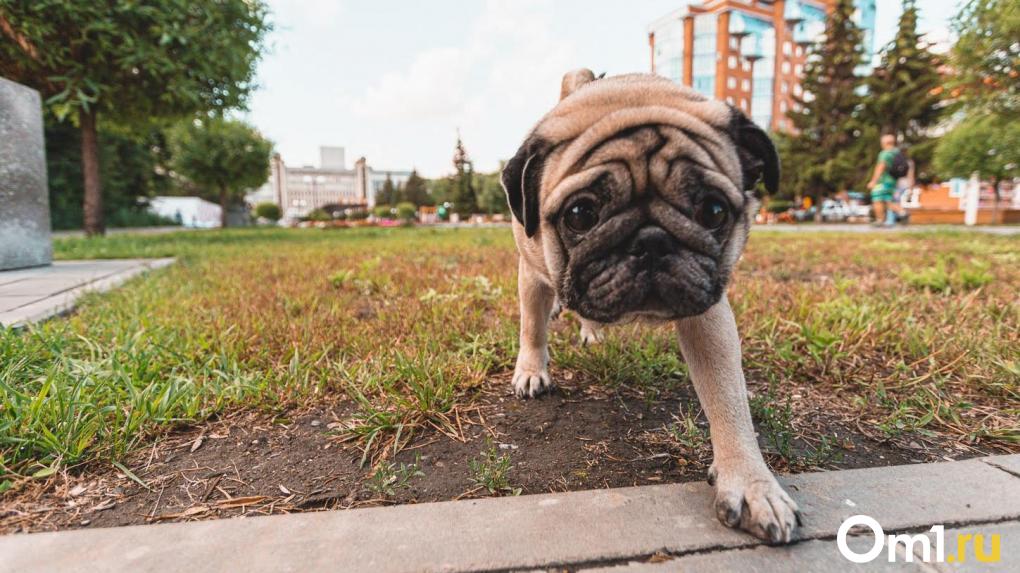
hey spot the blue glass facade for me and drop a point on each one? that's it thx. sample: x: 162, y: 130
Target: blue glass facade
x: 705, y: 54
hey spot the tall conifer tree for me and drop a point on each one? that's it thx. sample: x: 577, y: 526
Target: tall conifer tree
x: 825, y: 144
x: 903, y: 92
x: 465, y: 200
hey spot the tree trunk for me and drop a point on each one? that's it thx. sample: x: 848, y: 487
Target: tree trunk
x: 224, y: 204
x: 995, y: 200
x: 93, y: 204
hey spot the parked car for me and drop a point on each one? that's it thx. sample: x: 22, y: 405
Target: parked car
x: 834, y: 210
x: 805, y: 215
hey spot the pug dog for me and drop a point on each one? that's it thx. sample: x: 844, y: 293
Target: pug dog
x: 632, y: 199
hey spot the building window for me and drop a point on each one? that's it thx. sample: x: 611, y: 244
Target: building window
x: 787, y: 48
x: 799, y: 70
x: 705, y: 54
x: 733, y: 62
x: 747, y: 66
x: 797, y: 90
x: 782, y: 106
x: 747, y: 85
x: 786, y: 67
x: 743, y: 103
x: 731, y: 83
x: 786, y: 88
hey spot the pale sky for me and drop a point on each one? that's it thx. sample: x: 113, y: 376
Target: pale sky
x: 393, y: 80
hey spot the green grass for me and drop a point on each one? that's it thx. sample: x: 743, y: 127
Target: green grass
x: 389, y: 477
x: 918, y: 332
x: 491, y: 471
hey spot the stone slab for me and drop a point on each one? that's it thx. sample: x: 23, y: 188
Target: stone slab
x: 13, y: 301
x: 950, y: 492
x: 24, y: 195
x: 1009, y: 464
x: 40, y: 287
x: 537, y: 531
x: 815, y: 555
x: 1009, y: 549
x: 33, y: 295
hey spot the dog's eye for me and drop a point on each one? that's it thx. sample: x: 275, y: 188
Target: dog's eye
x: 581, y: 216
x: 713, y: 213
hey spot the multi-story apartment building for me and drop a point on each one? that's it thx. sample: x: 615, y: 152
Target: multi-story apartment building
x: 750, y: 53
x: 299, y: 190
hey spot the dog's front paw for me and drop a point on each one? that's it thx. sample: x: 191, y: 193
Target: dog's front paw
x: 753, y: 500
x: 530, y: 382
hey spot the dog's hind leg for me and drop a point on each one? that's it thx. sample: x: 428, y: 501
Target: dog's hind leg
x: 531, y: 375
x: 557, y: 309
x: 591, y: 332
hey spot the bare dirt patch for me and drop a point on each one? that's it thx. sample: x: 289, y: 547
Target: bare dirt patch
x: 580, y: 437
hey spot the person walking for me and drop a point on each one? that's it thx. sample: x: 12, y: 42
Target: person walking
x: 892, y: 164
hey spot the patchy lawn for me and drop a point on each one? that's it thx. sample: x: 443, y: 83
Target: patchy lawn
x: 289, y: 370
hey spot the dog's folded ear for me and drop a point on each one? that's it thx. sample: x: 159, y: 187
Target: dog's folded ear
x: 575, y: 79
x: 522, y: 182
x: 758, y: 157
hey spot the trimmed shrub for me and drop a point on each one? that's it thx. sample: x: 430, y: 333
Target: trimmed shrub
x: 406, y: 210
x: 319, y: 215
x: 269, y: 211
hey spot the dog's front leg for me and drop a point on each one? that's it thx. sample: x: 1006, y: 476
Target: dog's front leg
x: 531, y: 375
x: 747, y: 495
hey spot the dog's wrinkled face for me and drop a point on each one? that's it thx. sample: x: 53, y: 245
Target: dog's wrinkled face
x: 643, y: 208
x: 655, y: 251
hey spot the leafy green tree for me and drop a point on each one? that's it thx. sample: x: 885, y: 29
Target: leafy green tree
x: 826, y: 145
x: 130, y: 61
x: 270, y: 211
x: 463, y: 197
x: 491, y: 197
x: 415, y: 190
x: 988, y: 145
x: 383, y: 211
x: 224, y: 158
x: 440, y: 189
x: 134, y: 161
x: 986, y: 57
x: 406, y: 210
x: 387, y: 195
x: 905, y: 90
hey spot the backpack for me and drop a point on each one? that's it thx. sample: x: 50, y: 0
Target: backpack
x: 900, y: 165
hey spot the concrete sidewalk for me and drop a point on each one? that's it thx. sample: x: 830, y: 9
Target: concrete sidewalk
x: 1003, y: 230
x: 35, y: 294
x: 650, y: 528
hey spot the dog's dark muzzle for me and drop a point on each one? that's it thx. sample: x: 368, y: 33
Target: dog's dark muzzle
x: 651, y: 245
x: 650, y: 272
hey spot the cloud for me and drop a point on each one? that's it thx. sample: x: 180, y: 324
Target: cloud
x: 433, y: 86
x: 500, y: 78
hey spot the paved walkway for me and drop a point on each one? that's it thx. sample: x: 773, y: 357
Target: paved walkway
x: 653, y: 529
x: 1006, y: 230
x: 129, y: 231
x: 35, y: 294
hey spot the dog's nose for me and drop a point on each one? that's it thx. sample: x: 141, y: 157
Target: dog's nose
x: 652, y: 241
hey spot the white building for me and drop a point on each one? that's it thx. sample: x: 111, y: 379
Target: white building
x: 299, y: 190
x: 188, y: 211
